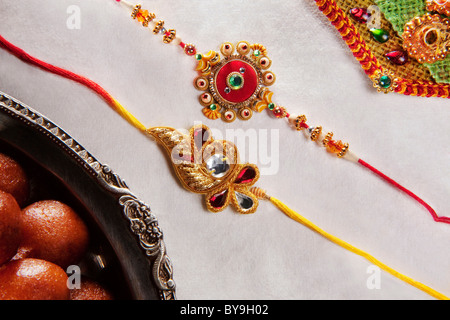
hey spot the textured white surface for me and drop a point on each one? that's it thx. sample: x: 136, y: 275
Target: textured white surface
x: 265, y: 255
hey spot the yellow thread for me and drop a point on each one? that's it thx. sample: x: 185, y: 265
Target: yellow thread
x: 124, y: 113
x: 297, y: 217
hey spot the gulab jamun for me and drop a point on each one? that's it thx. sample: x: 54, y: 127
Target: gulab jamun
x: 90, y: 290
x: 10, y: 226
x: 33, y: 279
x: 53, y: 231
x: 13, y: 179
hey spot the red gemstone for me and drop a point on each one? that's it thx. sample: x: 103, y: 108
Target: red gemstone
x: 360, y: 14
x: 247, y: 175
x: 397, y: 57
x: 218, y: 200
x: 200, y: 137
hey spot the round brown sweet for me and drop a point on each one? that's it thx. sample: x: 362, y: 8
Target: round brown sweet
x: 13, y: 179
x: 33, y: 279
x: 53, y: 231
x: 10, y: 226
x: 90, y: 290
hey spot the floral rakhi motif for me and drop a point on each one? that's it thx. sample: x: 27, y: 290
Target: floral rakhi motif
x: 210, y: 167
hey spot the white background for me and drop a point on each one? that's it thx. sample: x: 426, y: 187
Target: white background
x: 265, y: 255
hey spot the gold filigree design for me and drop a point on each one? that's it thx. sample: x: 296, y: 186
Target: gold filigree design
x: 210, y: 167
x: 426, y: 38
x: 439, y: 6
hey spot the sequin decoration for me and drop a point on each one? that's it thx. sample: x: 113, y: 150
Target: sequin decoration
x: 235, y: 79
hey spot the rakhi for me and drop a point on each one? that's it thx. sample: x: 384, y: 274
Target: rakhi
x: 212, y: 167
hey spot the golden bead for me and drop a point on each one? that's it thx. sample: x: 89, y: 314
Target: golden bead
x: 169, y: 36
x: 299, y: 121
x: 135, y: 11
x: 159, y: 25
x: 316, y: 133
x: 343, y: 150
x: 148, y: 19
x: 327, y: 139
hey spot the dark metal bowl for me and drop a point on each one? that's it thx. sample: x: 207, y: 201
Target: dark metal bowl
x: 127, y: 250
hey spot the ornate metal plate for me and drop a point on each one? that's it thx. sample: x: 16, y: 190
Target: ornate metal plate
x: 128, y: 250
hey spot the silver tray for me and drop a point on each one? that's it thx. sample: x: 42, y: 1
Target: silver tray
x: 127, y: 250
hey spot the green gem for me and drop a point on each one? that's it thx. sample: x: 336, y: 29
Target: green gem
x: 256, y: 53
x: 385, y: 82
x: 271, y: 106
x: 198, y: 56
x: 213, y: 107
x: 380, y: 35
x: 235, y: 81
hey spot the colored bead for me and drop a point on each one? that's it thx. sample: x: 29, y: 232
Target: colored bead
x: 189, y: 49
x: 385, y: 82
x: 334, y: 146
x: 198, y: 56
x: 359, y: 14
x: 271, y: 106
x: 279, y: 112
x: 256, y: 53
x: 397, y: 57
x: 213, y: 107
x: 380, y: 35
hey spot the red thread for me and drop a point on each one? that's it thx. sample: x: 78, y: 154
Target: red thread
x: 21, y: 54
x: 408, y: 192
